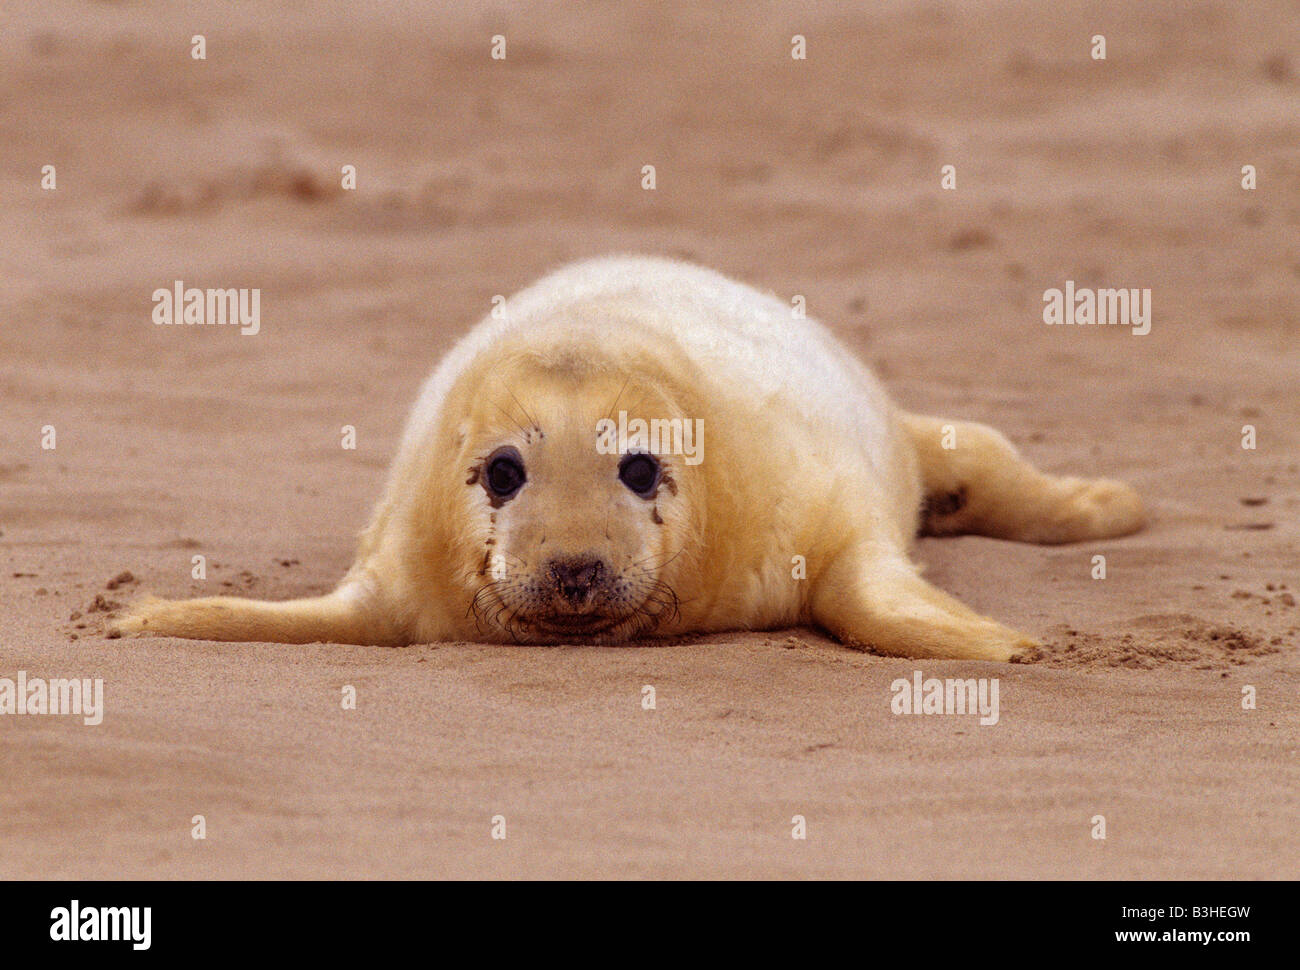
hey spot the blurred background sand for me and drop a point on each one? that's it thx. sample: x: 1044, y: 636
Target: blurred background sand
x: 817, y: 177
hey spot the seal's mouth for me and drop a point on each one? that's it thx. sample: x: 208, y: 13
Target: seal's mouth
x: 582, y: 623
x: 531, y: 615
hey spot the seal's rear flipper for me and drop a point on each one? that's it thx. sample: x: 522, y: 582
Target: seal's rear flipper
x: 340, y: 617
x: 976, y: 482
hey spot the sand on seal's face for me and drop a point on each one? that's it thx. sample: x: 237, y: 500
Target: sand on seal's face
x: 816, y: 178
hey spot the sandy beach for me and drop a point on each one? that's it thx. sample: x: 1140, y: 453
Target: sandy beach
x: 818, y: 177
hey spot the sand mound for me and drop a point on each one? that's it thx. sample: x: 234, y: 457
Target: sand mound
x: 1158, y: 640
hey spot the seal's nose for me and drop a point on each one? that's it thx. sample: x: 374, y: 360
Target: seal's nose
x: 575, y: 578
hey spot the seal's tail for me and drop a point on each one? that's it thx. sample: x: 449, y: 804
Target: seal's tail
x: 340, y: 617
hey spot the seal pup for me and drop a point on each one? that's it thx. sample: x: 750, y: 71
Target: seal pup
x: 530, y: 502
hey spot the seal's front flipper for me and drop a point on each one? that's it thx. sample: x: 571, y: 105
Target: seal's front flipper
x: 341, y: 617
x: 976, y: 482
x: 881, y: 604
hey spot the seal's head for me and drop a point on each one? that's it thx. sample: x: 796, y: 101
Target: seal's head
x: 577, y: 516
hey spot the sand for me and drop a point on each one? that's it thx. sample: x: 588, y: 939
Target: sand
x: 819, y: 178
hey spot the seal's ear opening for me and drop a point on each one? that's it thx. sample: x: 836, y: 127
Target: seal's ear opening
x: 340, y: 617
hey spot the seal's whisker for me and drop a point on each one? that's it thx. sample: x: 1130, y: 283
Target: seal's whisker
x: 531, y: 419
x: 641, y: 562
x: 610, y: 412
x: 515, y: 421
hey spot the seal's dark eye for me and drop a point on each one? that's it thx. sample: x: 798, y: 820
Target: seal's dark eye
x: 640, y: 473
x: 505, y: 473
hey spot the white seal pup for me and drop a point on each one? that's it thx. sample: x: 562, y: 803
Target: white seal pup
x: 639, y: 446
